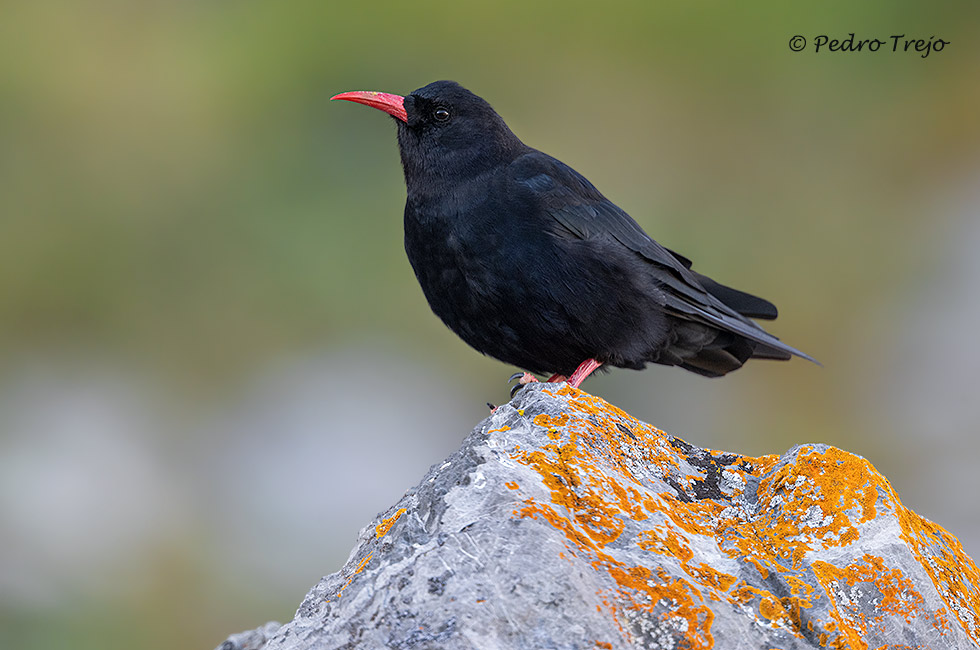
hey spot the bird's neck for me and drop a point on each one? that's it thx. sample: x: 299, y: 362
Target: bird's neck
x: 436, y: 165
x: 436, y: 196
x: 437, y: 173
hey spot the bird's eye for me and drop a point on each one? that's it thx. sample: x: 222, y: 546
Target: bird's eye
x: 441, y: 115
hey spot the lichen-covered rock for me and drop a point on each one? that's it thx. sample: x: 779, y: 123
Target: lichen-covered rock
x: 563, y: 522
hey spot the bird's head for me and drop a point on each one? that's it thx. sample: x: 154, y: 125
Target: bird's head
x: 444, y: 131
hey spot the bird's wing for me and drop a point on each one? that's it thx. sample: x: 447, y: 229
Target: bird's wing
x: 744, y: 303
x: 585, y: 213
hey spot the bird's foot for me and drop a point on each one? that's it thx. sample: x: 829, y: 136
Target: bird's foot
x: 584, y: 369
x: 523, y: 379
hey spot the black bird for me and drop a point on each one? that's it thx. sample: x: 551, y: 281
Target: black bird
x: 529, y: 263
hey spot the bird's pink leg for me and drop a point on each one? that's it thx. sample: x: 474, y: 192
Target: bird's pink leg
x: 527, y: 378
x: 584, y: 370
x: 556, y: 378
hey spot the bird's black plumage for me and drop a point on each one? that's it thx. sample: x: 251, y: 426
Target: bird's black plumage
x: 529, y: 263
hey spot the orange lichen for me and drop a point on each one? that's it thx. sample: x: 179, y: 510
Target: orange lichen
x: 581, y: 539
x: 834, y: 481
x: 780, y: 612
x: 953, y: 573
x: 590, y: 507
x: 594, y: 470
x: 665, y: 542
x: 382, y: 529
x: 511, y: 485
x: 579, y: 488
x: 898, y: 595
x: 363, y: 563
x: 709, y: 576
x: 665, y: 596
x: 358, y: 569
x: 551, y: 422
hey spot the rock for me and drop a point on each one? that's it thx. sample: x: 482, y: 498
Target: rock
x: 251, y: 640
x: 564, y: 523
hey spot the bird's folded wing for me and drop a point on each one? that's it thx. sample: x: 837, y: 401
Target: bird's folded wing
x: 584, y: 212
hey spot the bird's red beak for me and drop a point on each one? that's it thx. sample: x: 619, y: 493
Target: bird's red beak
x: 393, y: 105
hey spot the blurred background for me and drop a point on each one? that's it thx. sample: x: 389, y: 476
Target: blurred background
x: 215, y: 362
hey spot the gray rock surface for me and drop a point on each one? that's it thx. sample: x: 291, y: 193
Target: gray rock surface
x: 253, y: 639
x: 564, y: 523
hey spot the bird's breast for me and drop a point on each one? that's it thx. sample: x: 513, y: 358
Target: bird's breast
x: 448, y: 257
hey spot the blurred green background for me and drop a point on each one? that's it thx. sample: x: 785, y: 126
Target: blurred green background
x: 216, y: 365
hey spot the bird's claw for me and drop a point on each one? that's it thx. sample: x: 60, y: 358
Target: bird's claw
x: 523, y: 379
